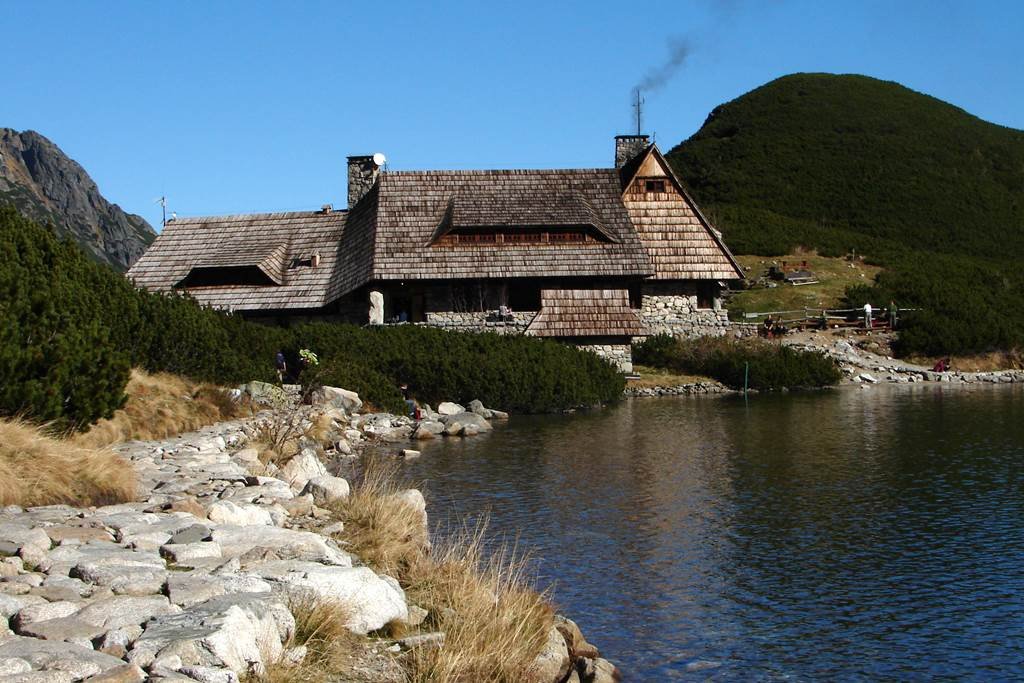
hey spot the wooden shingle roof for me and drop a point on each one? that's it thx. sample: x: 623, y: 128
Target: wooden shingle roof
x: 266, y: 255
x: 680, y: 241
x: 412, y: 205
x: 585, y: 313
x: 275, y: 243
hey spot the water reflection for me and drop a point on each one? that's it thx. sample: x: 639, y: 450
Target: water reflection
x: 853, y: 534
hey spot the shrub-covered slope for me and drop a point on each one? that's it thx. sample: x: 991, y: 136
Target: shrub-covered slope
x: 842, y: 163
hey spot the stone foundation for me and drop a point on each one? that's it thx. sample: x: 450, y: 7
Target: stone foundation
x: 619, y: 355
x: 679, y: 316
x: 482, y: 321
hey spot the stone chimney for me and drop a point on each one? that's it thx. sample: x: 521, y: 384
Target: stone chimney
x: 627, y: 147
x: 362, y: 174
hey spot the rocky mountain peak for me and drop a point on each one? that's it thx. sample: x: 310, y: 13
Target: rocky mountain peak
x: 48, y: 186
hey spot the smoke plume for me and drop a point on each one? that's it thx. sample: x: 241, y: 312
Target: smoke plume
x: 657, y: 76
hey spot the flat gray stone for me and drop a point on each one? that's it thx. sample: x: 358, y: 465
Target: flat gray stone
x: 236, y: 541
x: 68, y: 629
x: 240, y: 632
x: 80, y: 662
x: 191, y: 534
x: 123, y: 610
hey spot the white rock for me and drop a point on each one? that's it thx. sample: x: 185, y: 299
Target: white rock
x: 448, y: 408
x: 12, y: 604
x: 209, y: 674
x: 45, y: 611
x: 13, y: 665
x: 126, y: 611
x: 226, y: 512
x: 302, y: 468
x: 242, y: 632
x: 187, y: 588
x: 77, y: 661
x: 370, y: 601
x: 286, y: 543
x: 326, y: 489
x: 182, y: 553
x: 342, y: 398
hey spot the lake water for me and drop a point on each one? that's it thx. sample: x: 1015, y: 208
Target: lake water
x: 852, y: 534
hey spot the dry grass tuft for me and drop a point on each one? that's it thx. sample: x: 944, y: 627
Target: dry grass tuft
x: 37, y: 469
x: 657, y: 377
x: 385, y: 531
x: 332, y: 649
x: 160, y: 406
x: 982, y: 362
x: 495, y: 623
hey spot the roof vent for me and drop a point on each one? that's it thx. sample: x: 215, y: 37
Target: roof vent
x: 326, y: 208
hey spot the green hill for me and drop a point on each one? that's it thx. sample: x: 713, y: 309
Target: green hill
x: 842, y: 163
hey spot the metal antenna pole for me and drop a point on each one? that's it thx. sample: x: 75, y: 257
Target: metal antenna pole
x: 638, y: 106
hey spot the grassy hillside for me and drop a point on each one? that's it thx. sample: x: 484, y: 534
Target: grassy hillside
x: 842, y: 163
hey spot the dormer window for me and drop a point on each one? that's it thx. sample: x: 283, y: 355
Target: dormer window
x: 654, y: 186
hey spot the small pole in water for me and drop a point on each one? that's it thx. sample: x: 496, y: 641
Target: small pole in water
x: 746, y: 377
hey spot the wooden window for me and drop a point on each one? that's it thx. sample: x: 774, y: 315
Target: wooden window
x: 519, y: 237
x: 654, y: 186
x: 477, y: 237
x: 567, y: 237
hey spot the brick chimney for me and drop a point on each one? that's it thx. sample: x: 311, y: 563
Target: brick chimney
x: 627, y: 147
x: 362, y: 174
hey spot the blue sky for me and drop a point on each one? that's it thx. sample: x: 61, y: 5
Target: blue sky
x: 236, y: 107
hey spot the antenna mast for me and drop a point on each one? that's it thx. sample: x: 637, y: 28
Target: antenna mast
x: 163, y: 208
x: 638, y: 106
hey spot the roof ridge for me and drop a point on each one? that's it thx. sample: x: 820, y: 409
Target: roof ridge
x: 270, y: 215
x: 502, y: 171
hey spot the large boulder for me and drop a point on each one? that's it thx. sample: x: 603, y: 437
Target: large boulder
x: 326, y: 489
x: 303, y: 467
x: 340, y: 398
x: 186, y: 589
x: 124, y: 571
x: 369, y: 600
x: 226, y: 512
x: 449, y: 408
x: 553, y: 663
x: 122, y: 611
x: 236, y: 541
x: 242, y: 632
x: 475, y: 406
x: 460, y: 421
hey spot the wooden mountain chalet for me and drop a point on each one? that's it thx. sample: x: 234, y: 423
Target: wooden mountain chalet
x: 594, y: 257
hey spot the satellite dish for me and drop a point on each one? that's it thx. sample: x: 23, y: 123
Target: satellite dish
x: 379, y: 159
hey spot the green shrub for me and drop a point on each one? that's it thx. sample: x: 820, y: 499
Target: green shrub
x: 57, y: 359
x: 771, y: 366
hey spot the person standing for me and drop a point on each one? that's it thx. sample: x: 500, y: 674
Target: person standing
x: 867, y: 316
x: 893, y: 314
x: 281, y: 365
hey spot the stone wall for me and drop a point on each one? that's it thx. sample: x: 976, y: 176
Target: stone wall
x: 671, y: 308
x: 480, y: 321
x: 620, y: 355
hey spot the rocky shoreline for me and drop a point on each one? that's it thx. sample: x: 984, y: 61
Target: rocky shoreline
x: 692, y: 389
x: 862, y: 366
x: 194, y: 581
